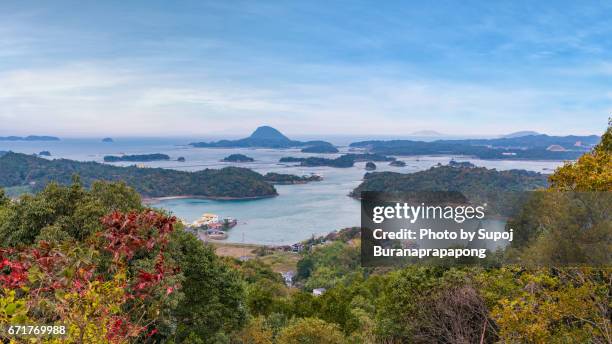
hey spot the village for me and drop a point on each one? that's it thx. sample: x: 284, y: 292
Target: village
x: 211, y: 226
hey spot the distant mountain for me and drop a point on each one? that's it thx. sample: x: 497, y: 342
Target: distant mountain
x: 426, y: 133
x: 520, y: 134
x: 268, y: 133
x: 29, y: 138
x: 262, y: 137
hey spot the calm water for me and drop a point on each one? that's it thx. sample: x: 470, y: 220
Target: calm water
x: 299, y: 211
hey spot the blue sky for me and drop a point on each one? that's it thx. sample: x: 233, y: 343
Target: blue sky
x: 167, y: 68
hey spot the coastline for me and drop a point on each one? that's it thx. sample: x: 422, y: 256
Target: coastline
x: 153, y: 200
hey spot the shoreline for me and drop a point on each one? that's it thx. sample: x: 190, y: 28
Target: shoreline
x: 153, y: 200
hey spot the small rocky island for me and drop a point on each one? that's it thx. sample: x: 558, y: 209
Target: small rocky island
x: 238, y: 158
x: 181, y: 159
x: 397, y: 163
x: 137, y: 157
x: 107, y: 139
x: 370, y: 166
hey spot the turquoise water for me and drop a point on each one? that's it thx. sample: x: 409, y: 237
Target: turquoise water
x: 299, y: 211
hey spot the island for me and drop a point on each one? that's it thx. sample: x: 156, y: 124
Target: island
x: 397, y: 163
x: 18, y: 170
x: 320, y: 148
x: 462, y: 178
x: 370, y: 166
x: 29, y: 138
x: 262, y: 137
x: 107, y: 139
x: 343, y: 161
x: 44, y: 153
x: 181, y: 159
x: 137, y: 157
x: 284, y: 179
x: 529, y: 147
x: 238, y: 158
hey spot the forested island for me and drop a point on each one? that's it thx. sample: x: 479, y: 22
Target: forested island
x: 231, y: 182
x: 137, y: 157
x: 532, y: 147
x: 455, y: 177
x: 29, y: 138
x: 262, y: 137
x: 238, y: 158
x: 108, y: 140
x: 343, y: 161
x: 283, y: 179
x: 320, y: 148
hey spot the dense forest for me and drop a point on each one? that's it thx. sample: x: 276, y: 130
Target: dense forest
x: 112, y: 271
x: 533, y: 147
x: 453, y: 177
x: 21, y: 169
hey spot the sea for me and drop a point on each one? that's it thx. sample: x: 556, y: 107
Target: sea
x: 297, y: 213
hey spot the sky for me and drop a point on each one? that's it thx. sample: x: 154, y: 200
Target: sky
x: 201, y: 68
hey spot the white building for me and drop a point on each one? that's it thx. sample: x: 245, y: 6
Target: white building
x: 318, y: 291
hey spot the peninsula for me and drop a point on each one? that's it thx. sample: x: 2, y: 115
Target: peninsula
x: 262, y: 137
x: 19, y: 170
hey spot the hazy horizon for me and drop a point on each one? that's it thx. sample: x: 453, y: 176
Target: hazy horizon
x: 202, y: 68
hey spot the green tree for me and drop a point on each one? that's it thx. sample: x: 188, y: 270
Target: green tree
x: 592, y: 171
x: 64, y: 211
x: 213, y: 302
x: 311, y: 331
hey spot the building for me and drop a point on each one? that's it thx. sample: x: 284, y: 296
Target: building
x: 206, y: 219
x: 318, y: 291
x: 297, y: 248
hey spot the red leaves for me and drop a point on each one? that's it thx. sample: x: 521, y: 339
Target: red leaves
x: 129, y: 233
x: 13, y: 273
x: 46, y: 269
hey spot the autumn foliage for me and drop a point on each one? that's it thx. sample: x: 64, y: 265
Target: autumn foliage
x: 92, y: 287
